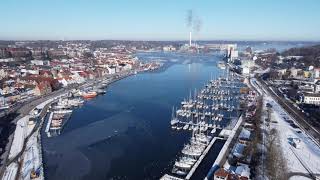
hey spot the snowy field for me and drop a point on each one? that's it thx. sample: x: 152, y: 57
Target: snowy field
x: 301, y: 153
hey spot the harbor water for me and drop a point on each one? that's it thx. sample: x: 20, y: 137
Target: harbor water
x: 126, y: 133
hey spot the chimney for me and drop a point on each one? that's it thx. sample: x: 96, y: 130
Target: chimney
x: 190, y: 39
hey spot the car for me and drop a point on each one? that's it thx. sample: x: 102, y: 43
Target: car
x: 268, y: 105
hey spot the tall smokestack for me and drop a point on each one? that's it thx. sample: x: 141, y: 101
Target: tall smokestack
x: 190, y: 36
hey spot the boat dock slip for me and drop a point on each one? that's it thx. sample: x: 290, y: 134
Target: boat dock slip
x: 216, y: 106
x: 225, y: 149
x: 191, y: 172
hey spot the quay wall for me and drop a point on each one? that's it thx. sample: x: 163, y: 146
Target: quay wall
x: 225, y: 151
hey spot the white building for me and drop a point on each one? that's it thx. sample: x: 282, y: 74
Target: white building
x: 30, y: 71
x: 127, y: 67
x: 169, y: 48
x: 7, y: 60
x: 3, y: 73
x: 311, y: 99
x: 316, y: 73
x: 232, y: 53
x: 37, y: 62
x: 245, y: 70
x: 64, y: 82
x: 111, y: 70
x: 294, y: 72
x: 317, y: 87
x: 247, y: 65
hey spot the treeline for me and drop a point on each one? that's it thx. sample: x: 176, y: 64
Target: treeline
x: 311, y: 54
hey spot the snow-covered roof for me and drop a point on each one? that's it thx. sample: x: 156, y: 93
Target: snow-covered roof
x: 243, y: 170
x: 238, y: 150
x: 225, y: 133
x: 245, y: 134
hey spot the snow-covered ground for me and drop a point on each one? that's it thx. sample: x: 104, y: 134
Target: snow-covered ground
x: 32, y: 155
x: 305, y: 158
x: 32, y: 159
x: 20, y: 134
x: 11, y: 171
x: 301, y: 160
x: 22, y: 131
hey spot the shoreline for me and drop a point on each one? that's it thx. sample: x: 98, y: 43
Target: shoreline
x: 12, y: 168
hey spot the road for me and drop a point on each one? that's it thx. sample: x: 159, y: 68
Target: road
x: 296, y: 115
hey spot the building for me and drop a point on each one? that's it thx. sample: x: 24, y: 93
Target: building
x: 282, y: 71
x: 316, y: 72
x: 40, y: 62
x: 245, y: 136
x: 238, y: 150
x: 232, y: 53
x: 317, y: 87
x: 169, y: 48
x: 111, y: 69
x: 247, y: 66
x: 311, y: 98
x: 246, y: 70
x: 221, y: 174
x: 42, y: 88
x: 242, y: 173
x: 294, y: 72
x: 307, y: 74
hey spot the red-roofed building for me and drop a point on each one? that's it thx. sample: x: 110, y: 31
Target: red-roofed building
x: 35, y: 79
x: 221, y: 174
x: 42, y: 88
x: 233, y: 177
x: 45, y: 73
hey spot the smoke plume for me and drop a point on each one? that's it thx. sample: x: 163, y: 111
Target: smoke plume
x: 197, y: 25
x: 189, y: 18
x: 193, y: 22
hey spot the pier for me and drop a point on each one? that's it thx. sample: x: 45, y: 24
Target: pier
x: 194, y: 168
x: 206, y: 164
x: 200, y: 159
x: 202, y: 166
x: 48, y: 124
x: 222, y: 157
x: 217, y: 106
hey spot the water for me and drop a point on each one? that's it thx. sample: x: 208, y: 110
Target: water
x: 126, y: 134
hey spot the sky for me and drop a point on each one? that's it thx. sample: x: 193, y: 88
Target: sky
x: 159, y: 19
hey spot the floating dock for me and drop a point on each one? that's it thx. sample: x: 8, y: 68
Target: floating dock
x: 48, y: 125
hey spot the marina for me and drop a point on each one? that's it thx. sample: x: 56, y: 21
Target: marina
x: 60, y: 113
x: 216, y: 106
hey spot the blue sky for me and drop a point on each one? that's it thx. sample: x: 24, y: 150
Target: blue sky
x: 160, y: 19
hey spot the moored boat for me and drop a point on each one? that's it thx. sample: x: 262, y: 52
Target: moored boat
x: 89, y: 95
